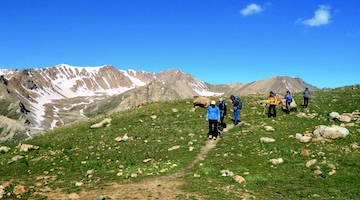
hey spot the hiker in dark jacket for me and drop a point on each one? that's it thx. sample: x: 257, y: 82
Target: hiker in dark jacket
x: 222, y: 107
x: 288, y: 100
x: 213, y: 117
x: 306, y: 97
x: 237, y: 106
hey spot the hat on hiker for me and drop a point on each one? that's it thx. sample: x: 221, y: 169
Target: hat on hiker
x: 213, y: 102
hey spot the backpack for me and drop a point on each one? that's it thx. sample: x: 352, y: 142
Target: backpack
x: 238, y: 103
x: 222, y: 105
x: 289, y: 98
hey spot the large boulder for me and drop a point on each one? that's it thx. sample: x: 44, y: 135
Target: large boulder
x: 345, y: 117
x: 203, y: 102
x: 331, y: 132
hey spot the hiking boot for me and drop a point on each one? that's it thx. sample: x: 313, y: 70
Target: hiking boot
x: 214, y: 138
x: 210, y: 137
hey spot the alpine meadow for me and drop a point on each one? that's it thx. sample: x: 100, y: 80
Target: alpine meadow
x: 160, y: 150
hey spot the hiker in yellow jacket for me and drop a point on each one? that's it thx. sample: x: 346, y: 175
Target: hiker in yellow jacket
x: 272, y: 101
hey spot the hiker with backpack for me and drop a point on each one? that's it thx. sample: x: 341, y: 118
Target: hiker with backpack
x: 237, y: 106
x: 213, y: 117
x: 306, y: 97
x: 288, y: 100
x: 222, y: 107
x: 272, y: 101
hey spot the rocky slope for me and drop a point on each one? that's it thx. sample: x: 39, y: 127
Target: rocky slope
x: 34, y: 100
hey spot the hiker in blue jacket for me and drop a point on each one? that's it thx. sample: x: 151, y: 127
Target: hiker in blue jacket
x: 237, y: 106
x: 288, y: 100
x: 213, y: 117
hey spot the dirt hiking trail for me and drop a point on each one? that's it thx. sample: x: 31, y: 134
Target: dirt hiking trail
x: 159, y: 187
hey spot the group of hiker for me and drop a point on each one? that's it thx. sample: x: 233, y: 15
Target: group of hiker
x: 216, y: 112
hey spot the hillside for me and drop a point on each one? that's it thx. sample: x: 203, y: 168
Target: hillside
x: 36, y: 100
x: 160, y: 151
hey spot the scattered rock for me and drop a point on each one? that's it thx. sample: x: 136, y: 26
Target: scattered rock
x: 355, y: 145
x: 331, y: 166
x: 269, y: 128
x: 302, y: 138
x: 347, y: 125
x: 2, y: 191
x: 298, y: 136
x: 276, y: 161
x: 105, y: 121
x: 174, y: 148
x: 99, y: 198
x: 310, y: 163
x: 305, y: 152
x: 343, y: 118
x: 239, y: 179
x: 203, y: 102
x: 226, y: 172
x: 317, y: 172
x: 175, y: 110
x: 266, y: 139
x: 124, y: 138
x: 15, y: 158
x: 334, y: 115
x: 196, y: 175
x: 4, y: 149
x: 26, y: 147
x: 304, y: 115
x: 20, y: 189
x: 153, y: 116
x: 79, y: 183
x: 148, y: 160
x: 330, y: 132
x: 332, y: 172
x: 139, y: 171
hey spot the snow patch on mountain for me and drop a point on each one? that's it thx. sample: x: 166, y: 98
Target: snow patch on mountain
x: 201, y: 89
x: 7, y: 73
x: 70, y: 83
x: 135, y: 81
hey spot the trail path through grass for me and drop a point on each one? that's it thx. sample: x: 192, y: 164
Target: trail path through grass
x: 159, y: 187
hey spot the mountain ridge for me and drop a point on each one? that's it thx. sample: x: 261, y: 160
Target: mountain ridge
x: 55, y: 96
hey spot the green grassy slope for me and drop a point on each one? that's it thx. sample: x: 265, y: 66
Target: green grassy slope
x: 66, y: 154
x: 241, y: 152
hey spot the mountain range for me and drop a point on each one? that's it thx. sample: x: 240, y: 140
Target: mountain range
x: 35, y: 100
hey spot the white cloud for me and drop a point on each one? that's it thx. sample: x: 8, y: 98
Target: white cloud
x: 321, y: 17
x: 254, y: 9
x: 251, y: 9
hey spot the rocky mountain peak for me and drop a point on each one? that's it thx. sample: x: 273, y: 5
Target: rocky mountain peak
x: 58, y: 95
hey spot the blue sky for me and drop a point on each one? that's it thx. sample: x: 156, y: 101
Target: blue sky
x: 216, y: 41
